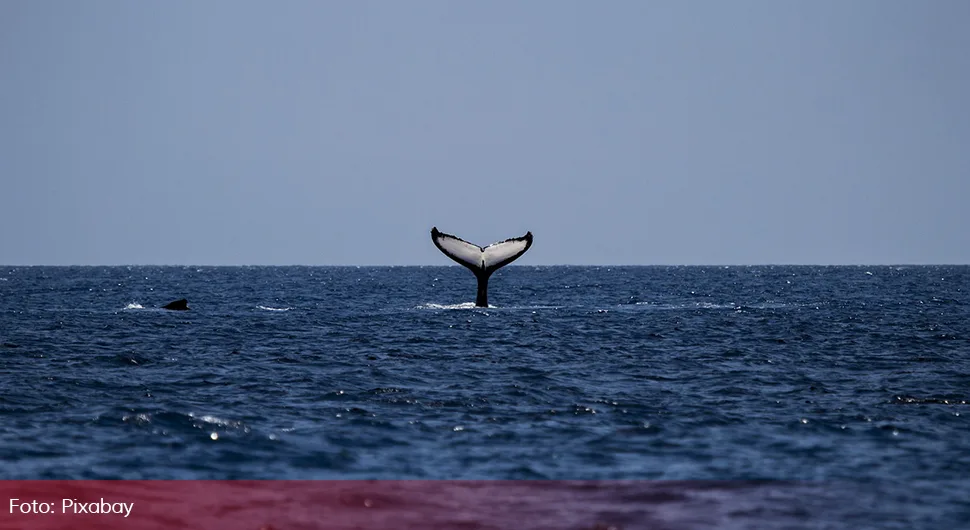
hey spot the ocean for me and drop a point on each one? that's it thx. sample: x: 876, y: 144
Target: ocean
x: 804, y: 394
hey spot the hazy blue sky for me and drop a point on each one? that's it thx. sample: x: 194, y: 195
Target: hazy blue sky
x: 618, y: 132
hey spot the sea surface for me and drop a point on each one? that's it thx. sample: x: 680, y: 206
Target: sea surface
x: 782, y: 395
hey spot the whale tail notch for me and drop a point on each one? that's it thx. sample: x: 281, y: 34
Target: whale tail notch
x: 481, y: 261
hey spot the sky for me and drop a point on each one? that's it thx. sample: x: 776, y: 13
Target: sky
x: 619, y: 132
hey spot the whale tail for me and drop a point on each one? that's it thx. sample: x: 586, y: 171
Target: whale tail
x: 481, y: 261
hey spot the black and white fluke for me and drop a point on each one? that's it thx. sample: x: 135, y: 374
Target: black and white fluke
x: 481, y: 261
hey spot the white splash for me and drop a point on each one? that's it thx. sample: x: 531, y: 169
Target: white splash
x: 264, y: 308
x: 215, y: 420
x: 134, y: 305
x: 466, y: 305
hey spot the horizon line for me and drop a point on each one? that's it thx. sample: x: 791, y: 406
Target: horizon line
x: 722, y: 265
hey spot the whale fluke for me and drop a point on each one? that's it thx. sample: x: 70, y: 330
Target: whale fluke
x: 178, y: 305
x: 481, y: 261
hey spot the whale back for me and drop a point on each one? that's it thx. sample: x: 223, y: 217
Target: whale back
x: 177, y: 305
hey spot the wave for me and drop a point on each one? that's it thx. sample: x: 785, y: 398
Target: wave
x: 182, y: 423
x: 696, y: 305
x: 265, y: 308
x: 471, y: 305
x: 709, y: 305
x: 134, y: 305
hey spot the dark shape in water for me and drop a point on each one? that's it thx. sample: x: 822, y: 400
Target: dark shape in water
x: 178, y: 305
x: 481, y: 261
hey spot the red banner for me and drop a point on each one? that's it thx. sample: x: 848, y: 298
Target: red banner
x: 366, y: 505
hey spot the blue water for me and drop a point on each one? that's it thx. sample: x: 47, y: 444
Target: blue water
x: 832, y: 374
